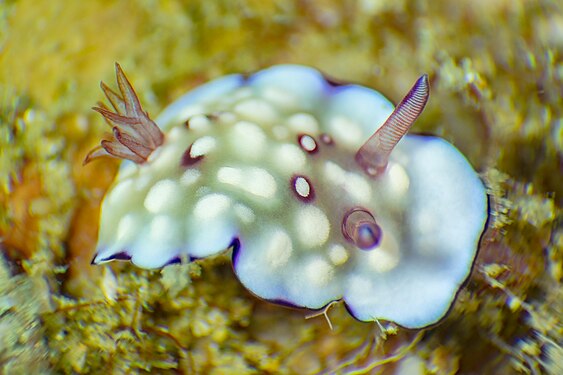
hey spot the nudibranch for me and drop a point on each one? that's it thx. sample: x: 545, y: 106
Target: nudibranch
x: 313, y: 185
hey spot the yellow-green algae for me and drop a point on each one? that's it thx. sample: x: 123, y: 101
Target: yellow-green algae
x: 497, y: 85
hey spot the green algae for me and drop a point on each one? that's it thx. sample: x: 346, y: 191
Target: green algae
x: 23, y: 299
x: 496, y: 74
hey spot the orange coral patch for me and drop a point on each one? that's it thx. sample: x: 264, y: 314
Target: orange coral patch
x: 20, y: 237
x: 93, y: 181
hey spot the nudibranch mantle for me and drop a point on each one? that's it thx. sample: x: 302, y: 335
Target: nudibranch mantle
x: 278, y: 166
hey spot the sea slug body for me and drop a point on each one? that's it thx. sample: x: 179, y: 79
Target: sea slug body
x: 314, y: 186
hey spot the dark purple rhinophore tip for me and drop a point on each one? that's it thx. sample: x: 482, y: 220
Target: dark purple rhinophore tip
x: 373, y: 156
x: 360, y: 228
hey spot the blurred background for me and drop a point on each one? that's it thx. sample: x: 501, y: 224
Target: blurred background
x: 496, y: 75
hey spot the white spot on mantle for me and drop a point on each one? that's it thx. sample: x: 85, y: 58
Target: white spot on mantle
x: 346, y: 131
x: 303, y: 123
x: 357, y: 186
x: 202, y: 146
x: 279, y: 249
x: 163, y: 196
x: 190, y: 176
x: 248, y: 140
x: 338, y: 254
x: 211, y: 206
x: 253, y: 180
x: 312, y: 226
x: 255, y: 109
x: 319, y: 272
x: 288, y: 158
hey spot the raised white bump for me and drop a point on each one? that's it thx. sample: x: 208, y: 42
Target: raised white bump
x: 163, y: 196
x: 358, y: 283
x: 128, y: 227
x: 386, y: 256
x: 334, y: 173
x: 120, y: 192
x: 165, y: 157
x: 211, y: 206
x: 253, y: 180
x: 255, y: 109
x: 240, y: 94
x: 346, y: 131
x: 190, y: 177
x: 164, y: 231
x: 289, y: 158
x: 229, y: 175
x: 338, y: 254
x: 260, y: 183
x: 279, y: 249
x: 303, y: 123
x: 142, y: 182
x: 354, y: 184
x: 226, y: 118
x: 280, y: 98
x: 176, y: 134
x: 358, y: 187
x: 199, y: 122
x: 244, y: 213
x: 248, y: 140
x: 202, y: 146
x: 397, y: 180
x: 319, y: 272
x: 312, y: 226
